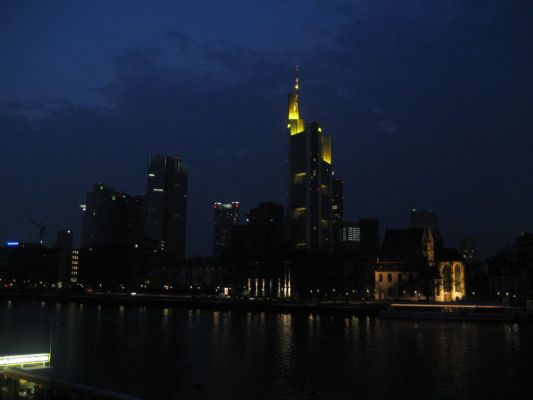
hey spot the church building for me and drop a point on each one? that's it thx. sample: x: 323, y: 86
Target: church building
x: 410, y: 268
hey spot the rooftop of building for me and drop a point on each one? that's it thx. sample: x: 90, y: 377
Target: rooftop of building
x: 402, y: 245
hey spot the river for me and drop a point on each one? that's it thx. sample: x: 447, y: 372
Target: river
x: 160, y: 353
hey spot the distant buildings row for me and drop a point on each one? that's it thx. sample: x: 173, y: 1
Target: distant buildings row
x: 306, y: 248
x: 156, y: 219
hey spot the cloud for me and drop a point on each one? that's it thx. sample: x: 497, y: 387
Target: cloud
x: 378, y: 66
x: 182, y: 41
x: 388, y: 127
x: 224, y: 99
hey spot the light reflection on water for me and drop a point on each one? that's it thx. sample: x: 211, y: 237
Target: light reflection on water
x: 157, y: 352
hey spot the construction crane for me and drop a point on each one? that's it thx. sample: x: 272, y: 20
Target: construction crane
x: 41, y: 227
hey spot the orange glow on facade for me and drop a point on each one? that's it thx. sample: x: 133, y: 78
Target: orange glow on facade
x: 326, y: 148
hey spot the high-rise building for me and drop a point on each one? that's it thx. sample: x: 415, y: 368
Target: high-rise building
x: 350, y: 237
x: 166, y: 204
x: 468, y: 249
x: 337, y: 208
x: 265, y: 231
x: 524, y: 252
x: 310, y: 182
x: 226, y: 217
x: 350, y: 232
x: 369, y: 244
x: 427, y: 219
x: 111, y: 218
x: 64, y: 239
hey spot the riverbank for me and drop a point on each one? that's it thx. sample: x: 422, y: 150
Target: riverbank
x: 256, y: 305
x: 19, y: 383
x: 357, y: 309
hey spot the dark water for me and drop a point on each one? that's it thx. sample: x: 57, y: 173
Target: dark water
x: 163, y: 352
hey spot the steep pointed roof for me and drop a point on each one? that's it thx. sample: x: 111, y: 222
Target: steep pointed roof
x: 403, y: 245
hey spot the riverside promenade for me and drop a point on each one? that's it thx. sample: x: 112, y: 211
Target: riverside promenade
x: 411, y: 310
x: 207, y: 303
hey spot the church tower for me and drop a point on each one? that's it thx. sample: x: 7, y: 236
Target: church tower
x: 428, y: 246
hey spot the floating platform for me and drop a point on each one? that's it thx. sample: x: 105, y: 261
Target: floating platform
x: 22, y: 377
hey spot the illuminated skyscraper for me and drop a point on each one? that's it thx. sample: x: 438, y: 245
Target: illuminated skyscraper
x: 310, y: 182
x: 337, y: 208
x: 166, y: 204
x: 226, y: 216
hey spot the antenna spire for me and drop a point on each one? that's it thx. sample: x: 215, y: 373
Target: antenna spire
x: 297, y: 81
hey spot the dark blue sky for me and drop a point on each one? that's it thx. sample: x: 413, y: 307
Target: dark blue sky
x: 430, y: 105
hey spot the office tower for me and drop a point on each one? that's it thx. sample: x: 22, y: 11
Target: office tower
x: 337, y: 207
x: 468, y: 249
x: 265, y: 231
x: 350, y: 237
x: 310, y: 182
x: 427, y: 219
x: 166, y: 204
x: 369, y: 244
x: 64, y: 239
x: 74, y: 266
x: 63, y: 250
x: 111, y: 218
x: 524, y: 253
x: 226, y: 217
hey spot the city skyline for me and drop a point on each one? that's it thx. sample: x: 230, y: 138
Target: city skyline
x: 266, y: 199
x: 448, y: 129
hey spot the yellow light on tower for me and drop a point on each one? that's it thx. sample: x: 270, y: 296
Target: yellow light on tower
x: 296, y: 125
x: 326, y: 148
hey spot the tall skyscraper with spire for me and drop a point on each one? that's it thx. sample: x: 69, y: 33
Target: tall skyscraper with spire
x: 310, y: 181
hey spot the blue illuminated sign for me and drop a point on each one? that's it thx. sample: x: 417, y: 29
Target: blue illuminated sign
x: 12, y: 244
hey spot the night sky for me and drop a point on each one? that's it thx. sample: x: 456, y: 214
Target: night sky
x: 430, y: 105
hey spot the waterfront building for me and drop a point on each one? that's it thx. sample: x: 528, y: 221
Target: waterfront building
x: 524, y: 250
x: 310, y: 181
x: 32, y: 265
x: 74, y: 266
x: 409, y: 266
x: 226, y: 217
x: 265, y: 231
x: 111, y: 218
x: 64, y: 239
x: 508, y: 280
x: 369, y: 244
x: 468, y: 249
x: 350, y: 237
x: 510, y: 270
x: 166, y: 205
x: 337, y: 209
